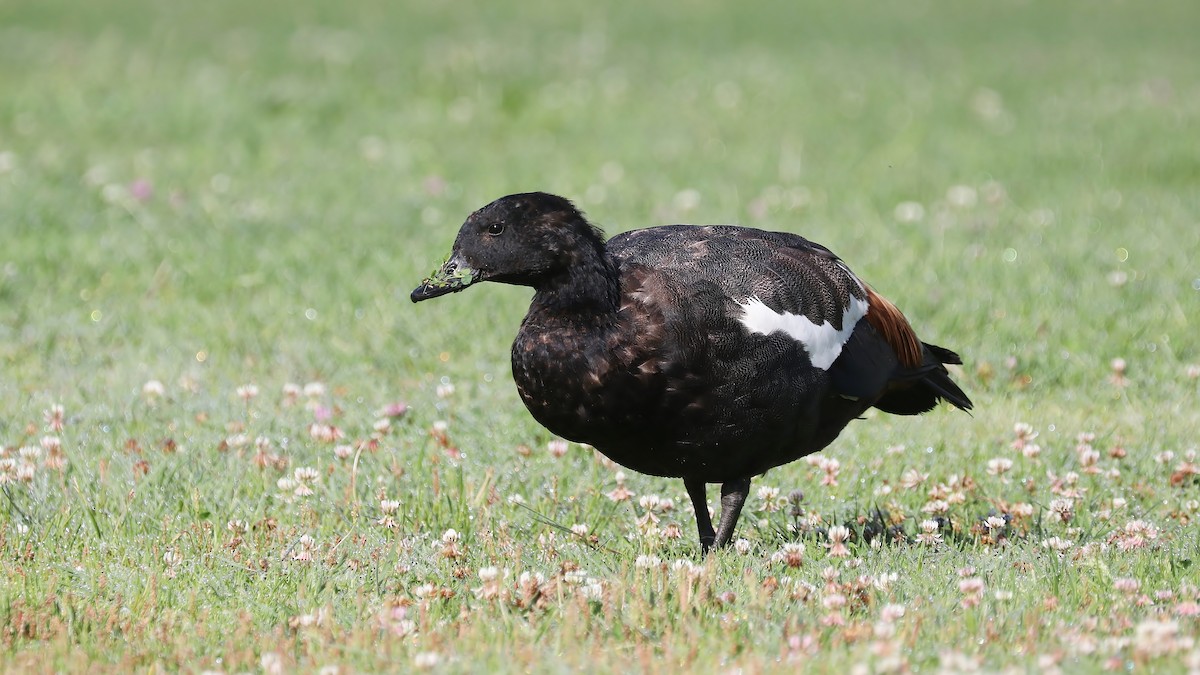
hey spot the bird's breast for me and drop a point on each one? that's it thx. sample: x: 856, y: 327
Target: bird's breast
x: 561, y: 377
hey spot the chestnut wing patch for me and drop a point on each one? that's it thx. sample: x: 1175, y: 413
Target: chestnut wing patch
x: 894, y: 329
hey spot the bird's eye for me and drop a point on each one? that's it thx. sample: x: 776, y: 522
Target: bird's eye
x: 495, y: 229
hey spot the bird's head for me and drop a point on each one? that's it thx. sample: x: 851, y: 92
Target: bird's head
x: 519, y: 239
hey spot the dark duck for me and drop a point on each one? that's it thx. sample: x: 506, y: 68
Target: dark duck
x: 708, y: 353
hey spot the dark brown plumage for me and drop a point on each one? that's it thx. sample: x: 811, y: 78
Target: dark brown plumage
x: 707, y: 353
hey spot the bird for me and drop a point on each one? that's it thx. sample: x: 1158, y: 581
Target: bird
x: 710, y: 353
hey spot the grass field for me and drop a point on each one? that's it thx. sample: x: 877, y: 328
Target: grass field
x: 231, y: 443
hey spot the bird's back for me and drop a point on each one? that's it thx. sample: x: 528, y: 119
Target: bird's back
x: 783, y: 271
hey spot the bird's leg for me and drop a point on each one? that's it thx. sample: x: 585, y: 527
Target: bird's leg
x: 733, y: 497
x: 699, y: 495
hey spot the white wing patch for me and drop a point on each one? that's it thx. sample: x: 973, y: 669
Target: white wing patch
x: 822, y: 342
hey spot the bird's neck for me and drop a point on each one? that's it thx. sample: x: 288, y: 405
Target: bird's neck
x: 587, y: 290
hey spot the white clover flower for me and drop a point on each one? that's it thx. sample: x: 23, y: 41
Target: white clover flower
x: 647, y: 561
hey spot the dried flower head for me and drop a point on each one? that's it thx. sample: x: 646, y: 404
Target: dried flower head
x: 55, y: 418
x: 792, y: 554
x: 838, y: 536
x: 1062, y: 510
x: 999, y: 466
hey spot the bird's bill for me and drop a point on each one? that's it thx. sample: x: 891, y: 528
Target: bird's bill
x: 453, y: 276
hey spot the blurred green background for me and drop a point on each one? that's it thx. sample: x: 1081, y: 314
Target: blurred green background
x: 209, y: 194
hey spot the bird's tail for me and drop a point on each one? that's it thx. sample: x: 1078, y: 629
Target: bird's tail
x: 917, y: 390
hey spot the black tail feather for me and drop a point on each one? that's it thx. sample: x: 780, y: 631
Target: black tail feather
x: 918, y: 390
x: 943, y: 355
x: 947, y: 390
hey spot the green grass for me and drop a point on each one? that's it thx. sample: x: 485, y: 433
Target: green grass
x: 210, y: 195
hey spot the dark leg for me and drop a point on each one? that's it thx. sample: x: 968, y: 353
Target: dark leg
x: 699, y: 495
x: 733, y: 497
